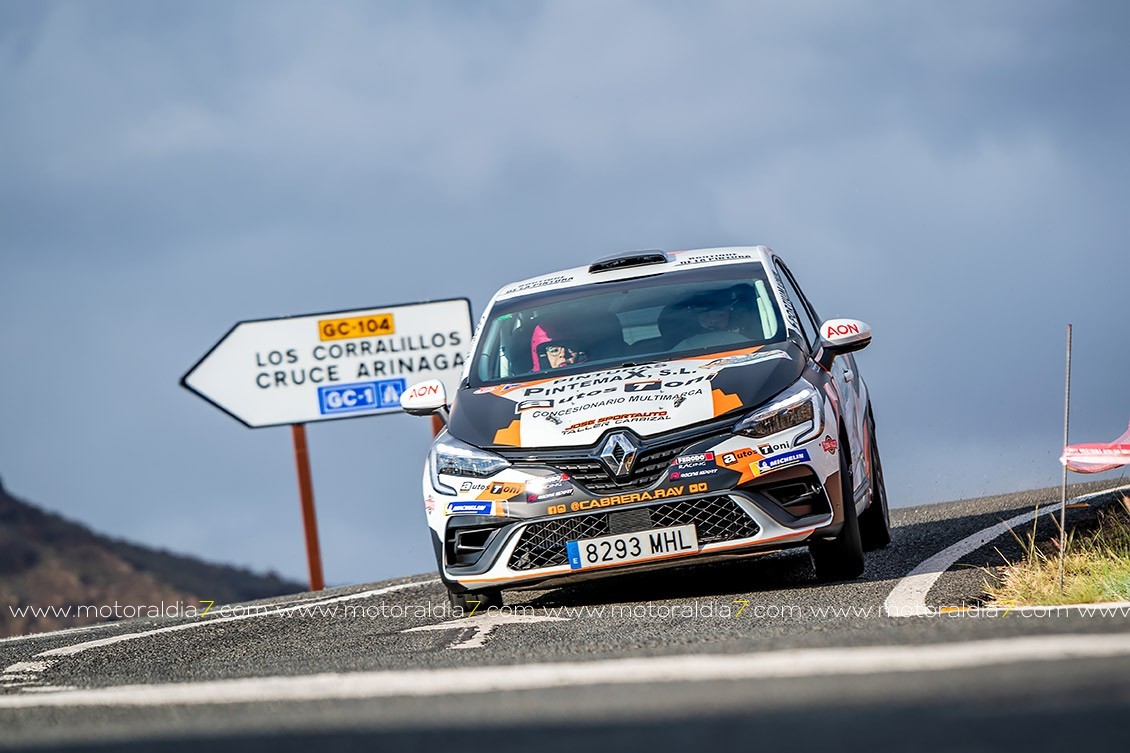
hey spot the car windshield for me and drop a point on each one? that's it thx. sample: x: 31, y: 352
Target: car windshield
x: 611, y: 324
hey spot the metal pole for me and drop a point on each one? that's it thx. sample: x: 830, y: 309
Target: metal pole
x: 1063, y: 492
x: 306, y: 497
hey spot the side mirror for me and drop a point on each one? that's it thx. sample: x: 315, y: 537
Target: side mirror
x: 840, y: 336
x: 425, y: 398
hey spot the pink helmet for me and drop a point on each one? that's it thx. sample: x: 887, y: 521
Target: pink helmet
x: 539, y: 337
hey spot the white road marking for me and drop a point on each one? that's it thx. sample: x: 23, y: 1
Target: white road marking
x: 32, y: 670
x: 104, y: 625
x: 792, y: 663
x: 80, y: 647
x: 908, y: 597
x: 23, y: 667
x: 481, y: 626
x: 55, y: 633
x: 24, y: 674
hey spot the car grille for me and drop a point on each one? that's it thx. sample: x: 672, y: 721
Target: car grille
x: 655, y: 455
x: 592, y: 474
x: 542, y: 544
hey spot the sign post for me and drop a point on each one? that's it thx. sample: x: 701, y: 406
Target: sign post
x: 306, y: 499
x: 294, y: 370
x: 1063, y: 495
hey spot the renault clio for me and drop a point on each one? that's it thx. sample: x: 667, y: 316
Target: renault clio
x: 649, y: 410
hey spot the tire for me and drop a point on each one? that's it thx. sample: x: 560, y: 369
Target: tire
x: 475, y: 602
x: 875, y: 522
x: 842, y: 557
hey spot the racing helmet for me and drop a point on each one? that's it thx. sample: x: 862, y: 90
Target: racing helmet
x: 547, y: 336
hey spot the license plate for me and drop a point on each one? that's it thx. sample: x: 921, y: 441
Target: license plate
x: 631, y: 547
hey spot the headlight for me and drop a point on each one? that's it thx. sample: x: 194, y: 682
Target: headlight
x: 798, y: 406
x: 451, y: 457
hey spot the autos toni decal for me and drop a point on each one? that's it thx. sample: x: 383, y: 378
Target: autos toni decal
x: 651, y: 399
x: 575, y: 410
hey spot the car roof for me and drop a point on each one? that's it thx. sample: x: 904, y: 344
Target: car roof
x: 635, y: 264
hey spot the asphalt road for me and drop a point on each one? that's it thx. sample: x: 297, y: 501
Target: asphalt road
x: 752, y: 653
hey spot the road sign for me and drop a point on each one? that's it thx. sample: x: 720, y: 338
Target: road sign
x: 340, y: 364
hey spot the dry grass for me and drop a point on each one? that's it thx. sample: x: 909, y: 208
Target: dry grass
x: 1096, y: 566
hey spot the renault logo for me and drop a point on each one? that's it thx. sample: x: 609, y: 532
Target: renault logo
x: 618, y: 453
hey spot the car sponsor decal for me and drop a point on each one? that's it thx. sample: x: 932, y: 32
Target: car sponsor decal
x: 627, y: 499
x: 694, y: 461
x: 470, y: 508
x: 724, y: 402
x: 691, y: 466
x: 743, y: 461
x: 502, y: 491
x: 619, y: 418
x: 532, y: 405
x: 713, y: 257
x: 830, y: 445
x: 545, y: 488
x: 841, y: 329
x: 770, y: 447
x: 676, y: 398
x: 540, y: 282
x: 650, y: 399
x: 547, y: 496
x: 642, y: 379
x: 684, y: 475
x: 511, y: 436
x: 784, y: 460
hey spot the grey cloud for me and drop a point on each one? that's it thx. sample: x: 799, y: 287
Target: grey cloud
x: 955, y: 174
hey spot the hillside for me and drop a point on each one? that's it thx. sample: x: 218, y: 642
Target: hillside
x: 48, y: 561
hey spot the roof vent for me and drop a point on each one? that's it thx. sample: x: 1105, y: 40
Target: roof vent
x: 628, y: 259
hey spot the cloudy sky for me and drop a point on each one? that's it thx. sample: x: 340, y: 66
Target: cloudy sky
x: 957, y: 174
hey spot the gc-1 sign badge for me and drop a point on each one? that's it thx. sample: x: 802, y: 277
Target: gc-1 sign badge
x: 354, y: 398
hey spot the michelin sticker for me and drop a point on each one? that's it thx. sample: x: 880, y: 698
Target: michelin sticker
x: 470, y: 508
x: 782, y: 461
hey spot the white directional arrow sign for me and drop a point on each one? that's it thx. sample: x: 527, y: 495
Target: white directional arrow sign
x: 341, y: 364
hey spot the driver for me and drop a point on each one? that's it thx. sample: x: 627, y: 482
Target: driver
x: 551, y: 349
x: 711, y: 311
x: 713, y: 317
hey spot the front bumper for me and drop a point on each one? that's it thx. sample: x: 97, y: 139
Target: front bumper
x: 742, y: 495
x: 525, y: 553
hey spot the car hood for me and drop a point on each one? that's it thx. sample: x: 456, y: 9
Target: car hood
x: 650, y: 399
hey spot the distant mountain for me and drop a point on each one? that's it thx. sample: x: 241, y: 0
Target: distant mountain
x: 48, y: 561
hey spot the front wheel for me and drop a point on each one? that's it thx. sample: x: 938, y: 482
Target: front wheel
x: 842, y: 557
x: 875, y: 522
x: 472, y: 603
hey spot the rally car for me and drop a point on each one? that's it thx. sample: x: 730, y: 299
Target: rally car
x: 649, y: 410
